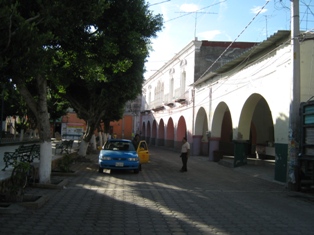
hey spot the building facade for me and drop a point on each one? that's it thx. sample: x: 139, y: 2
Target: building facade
x: 70, y: 126
x: 239, y: 108
x: 168, y: 96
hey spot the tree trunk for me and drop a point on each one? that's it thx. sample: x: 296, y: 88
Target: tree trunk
x: 91, y: 126
x: 86, y: 138
x: 83, y: 148
x: 40, y: 110
x: 104, y: 138
x: 14, y: 133
x: 100, y: 139
x: 45, y: 162
x: 93, y: 142
x: 44, y: 132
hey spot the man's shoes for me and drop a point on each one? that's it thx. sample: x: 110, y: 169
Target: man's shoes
x: 183, y: 170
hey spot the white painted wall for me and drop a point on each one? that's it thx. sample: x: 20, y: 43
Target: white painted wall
x: 182, y: 62
x: 270, y: 76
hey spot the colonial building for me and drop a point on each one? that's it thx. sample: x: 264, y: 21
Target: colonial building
x: 168, y: 96
x: 240, y: 106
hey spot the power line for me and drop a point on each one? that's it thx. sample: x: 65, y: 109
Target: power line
x: 234, y: 39
x: 188, y: 13
x: 158, y: 3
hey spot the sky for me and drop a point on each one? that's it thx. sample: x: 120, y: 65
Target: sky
x: 219, y: 20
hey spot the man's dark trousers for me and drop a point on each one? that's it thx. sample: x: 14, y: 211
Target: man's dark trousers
x: 184, y: 158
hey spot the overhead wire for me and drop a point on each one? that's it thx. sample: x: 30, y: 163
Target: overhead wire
x: 255, y: 72
x: 306, y: 13
x: 265, y: 66
x: 188, y: 13
x: 246, y: 59
x: 158, y: 3
x: 260, y: 69
x: 235, y: 39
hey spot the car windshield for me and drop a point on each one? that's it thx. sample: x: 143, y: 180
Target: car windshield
x: 119, y: 146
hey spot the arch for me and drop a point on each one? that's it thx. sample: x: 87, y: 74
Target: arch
x: 218, y: 118
x: 256, y: 110
x: 221, y: 140
x: 255, y: 133
x: 256, y: 126
x: 181, y: 132
x: 201, y: 124
x: 161, y: 133
x: 148, y: 133
x: 200, y: 139
x: 143, y: 132
x: 170, y: 133
x: 154, y: 133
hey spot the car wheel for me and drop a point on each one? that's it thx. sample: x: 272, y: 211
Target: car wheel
x: 140, y: 167
x: 100, y: 170
x: 136, y: 171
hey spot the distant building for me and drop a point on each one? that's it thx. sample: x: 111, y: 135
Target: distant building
x: 71, y: 126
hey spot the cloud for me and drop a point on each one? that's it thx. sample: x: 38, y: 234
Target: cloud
x: 189, y: 7
x: 209, y: 35
x: 255, y: 10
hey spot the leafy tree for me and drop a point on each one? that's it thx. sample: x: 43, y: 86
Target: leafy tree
x: 14, y: 105
x: 109, y: 70
x: 113, y: 113
x: 78, y: 47
x: 11, y: 100
x: 31, y: 35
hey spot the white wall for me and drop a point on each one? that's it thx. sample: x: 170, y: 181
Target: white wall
x: 270, y: 77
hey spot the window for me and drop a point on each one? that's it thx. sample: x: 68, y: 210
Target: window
x: 183, y: 84
x: 171, y: 90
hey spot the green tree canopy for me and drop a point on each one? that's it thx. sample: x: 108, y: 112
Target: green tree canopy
x: 108, y: 71
x: 80, y: 48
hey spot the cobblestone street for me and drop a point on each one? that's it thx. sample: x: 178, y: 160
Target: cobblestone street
x: 208, y: 199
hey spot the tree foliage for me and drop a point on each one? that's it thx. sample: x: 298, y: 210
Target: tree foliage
x: 108, y: 71
x: 91, y: 52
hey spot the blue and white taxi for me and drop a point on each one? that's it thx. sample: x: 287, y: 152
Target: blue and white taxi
x: 119, y: 154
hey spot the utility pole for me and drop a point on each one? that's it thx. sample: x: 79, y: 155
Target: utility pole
x: 295, y: 90
x: 266, y: 27
x: 195, y: 23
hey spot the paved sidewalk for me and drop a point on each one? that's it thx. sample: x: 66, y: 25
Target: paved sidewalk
x: 208, y: 199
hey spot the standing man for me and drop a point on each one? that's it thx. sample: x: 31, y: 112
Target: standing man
x: 136, y: 141
x: 185, y: 152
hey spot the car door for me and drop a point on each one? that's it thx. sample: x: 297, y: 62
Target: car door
x: 142, y: 151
